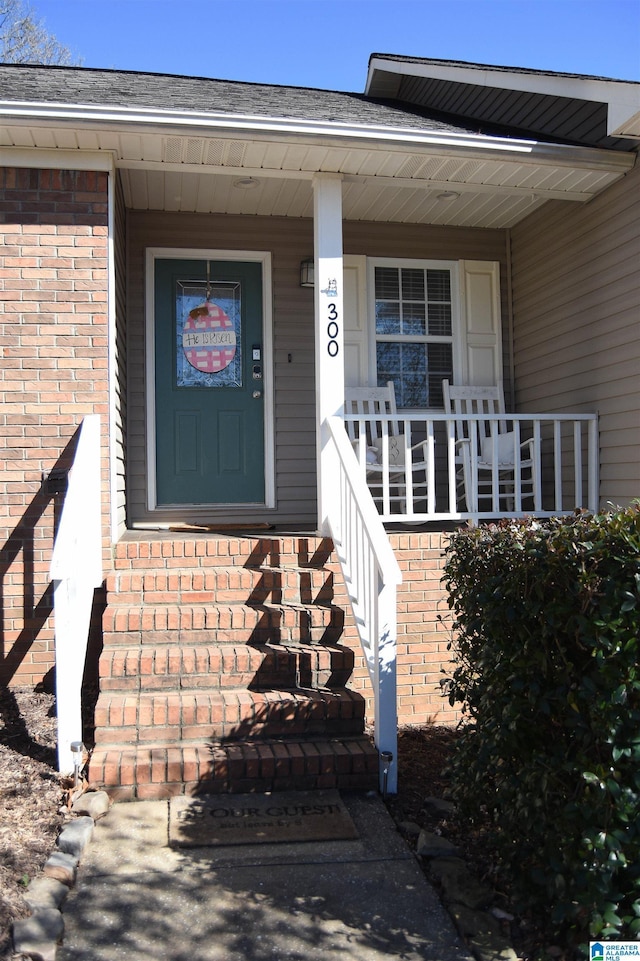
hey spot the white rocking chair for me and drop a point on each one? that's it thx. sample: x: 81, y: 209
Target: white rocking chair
x: 486, y: 452
x: 382, y: 450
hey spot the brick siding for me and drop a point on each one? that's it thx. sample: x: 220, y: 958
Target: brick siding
x: 53, y: 371
x: 424, y: 632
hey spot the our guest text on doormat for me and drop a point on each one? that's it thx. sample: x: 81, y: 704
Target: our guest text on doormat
x: 259, y: 818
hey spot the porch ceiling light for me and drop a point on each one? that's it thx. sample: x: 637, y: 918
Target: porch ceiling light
x: 307, y: 273
x: 448, y: 195
x: 246, y: 183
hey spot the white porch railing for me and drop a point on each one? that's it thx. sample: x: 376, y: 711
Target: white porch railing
x: 371, y: 575
x: 562, y: 450
x: 76, y: 569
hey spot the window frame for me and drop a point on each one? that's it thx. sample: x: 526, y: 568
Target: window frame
x: 456, y: 338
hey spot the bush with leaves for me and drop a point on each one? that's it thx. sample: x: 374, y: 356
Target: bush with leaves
x: 547, y: 667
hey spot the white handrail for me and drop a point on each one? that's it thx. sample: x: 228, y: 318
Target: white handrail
x: 76, y: 570
x: 371, y: 574
x: 560, y: 451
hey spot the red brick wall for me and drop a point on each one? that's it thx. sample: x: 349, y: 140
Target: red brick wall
x: 53, y: 371
x: 422, y: 636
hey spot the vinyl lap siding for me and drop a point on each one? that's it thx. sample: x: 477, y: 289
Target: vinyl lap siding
x: 576, y: 308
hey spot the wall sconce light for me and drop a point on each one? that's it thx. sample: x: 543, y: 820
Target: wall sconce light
x: 307, y: 273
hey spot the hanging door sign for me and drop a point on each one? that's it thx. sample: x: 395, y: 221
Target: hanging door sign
x: 209, y: 338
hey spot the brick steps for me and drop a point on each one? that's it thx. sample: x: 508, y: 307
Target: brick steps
x: 222, y: 670
x: 155, y: 717
x: 258, y: 667
x: 221, y: 585
x: 169, y: 550
x: 239, y: 767
x: 239, y: 623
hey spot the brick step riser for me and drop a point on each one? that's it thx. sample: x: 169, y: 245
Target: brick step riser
x: 168, y: 667
x: 258, y: 635
x: 251, y: 730
x: 147, y: 718
x: 297, y: 622
x: 178, y: 551
x: 349, y: 764
x: 236, y: 586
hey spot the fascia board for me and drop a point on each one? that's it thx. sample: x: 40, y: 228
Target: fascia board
x: 53, y: 158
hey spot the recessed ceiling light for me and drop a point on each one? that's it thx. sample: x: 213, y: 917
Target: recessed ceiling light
x: 246, y: 183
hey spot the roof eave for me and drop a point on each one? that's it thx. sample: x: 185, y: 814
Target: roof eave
x: 621, y: 97
x: 261, y: 126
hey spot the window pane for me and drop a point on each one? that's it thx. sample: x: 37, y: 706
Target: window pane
x: 413, y: 285
x: 388, y: 362
x: 438, y: 285
x: 387, y: 318
x: 417, y: 371
x: 414, y: 392
x: 413, y: 320
x: 387, y: 283
x: 440, y: 320
x: 440, y: 367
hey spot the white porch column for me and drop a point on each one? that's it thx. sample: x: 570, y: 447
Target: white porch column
x: 329, y: 330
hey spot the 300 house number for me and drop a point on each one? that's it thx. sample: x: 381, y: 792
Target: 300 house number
x: 332, y: 331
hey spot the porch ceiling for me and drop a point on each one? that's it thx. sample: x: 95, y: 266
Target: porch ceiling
x: 390, y: 175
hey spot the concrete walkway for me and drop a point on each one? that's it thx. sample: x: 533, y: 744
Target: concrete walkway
x: 138, y: 899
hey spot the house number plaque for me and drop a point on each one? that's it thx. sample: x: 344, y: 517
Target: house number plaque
x: 333, y: 329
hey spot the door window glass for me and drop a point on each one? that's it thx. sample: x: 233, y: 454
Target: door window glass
x: 208, y: 334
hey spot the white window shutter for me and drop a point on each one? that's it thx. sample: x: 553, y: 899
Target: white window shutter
x: 356, y: 334
x: 479, y: 358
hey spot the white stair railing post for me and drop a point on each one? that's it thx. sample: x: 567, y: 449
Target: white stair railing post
x: 385, y: 686
x: 76, y: 570
x: 371, y: 573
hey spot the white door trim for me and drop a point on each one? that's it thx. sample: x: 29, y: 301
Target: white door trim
x: 244, y: 256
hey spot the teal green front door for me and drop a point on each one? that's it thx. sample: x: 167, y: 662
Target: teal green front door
x: 209, y: 394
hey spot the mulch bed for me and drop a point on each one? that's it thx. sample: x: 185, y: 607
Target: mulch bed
x: 31, y: 799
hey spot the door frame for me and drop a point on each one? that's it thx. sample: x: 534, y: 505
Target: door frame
x: 242, y: 256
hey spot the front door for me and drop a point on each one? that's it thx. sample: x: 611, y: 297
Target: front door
x: 209, y: 396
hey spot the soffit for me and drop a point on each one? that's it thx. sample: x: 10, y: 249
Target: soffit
x: 592, y: 111
x: 389, y: 176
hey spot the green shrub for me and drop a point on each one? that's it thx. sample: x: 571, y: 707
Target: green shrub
x: 546, y: 653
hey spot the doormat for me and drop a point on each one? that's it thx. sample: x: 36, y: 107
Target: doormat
x: 259, y: 819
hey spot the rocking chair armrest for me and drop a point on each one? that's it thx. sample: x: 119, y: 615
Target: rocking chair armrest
x: 423, y: 447
x: 529, y: 444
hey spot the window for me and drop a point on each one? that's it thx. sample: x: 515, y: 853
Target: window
x: 414, y: 331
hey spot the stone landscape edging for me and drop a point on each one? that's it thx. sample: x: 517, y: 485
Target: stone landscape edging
x: 39, y: 935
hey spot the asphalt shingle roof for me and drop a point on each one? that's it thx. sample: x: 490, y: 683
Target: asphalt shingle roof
x: 77, y: 85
